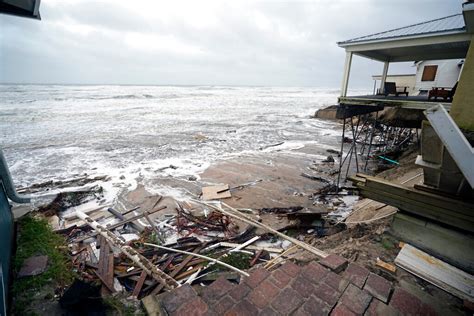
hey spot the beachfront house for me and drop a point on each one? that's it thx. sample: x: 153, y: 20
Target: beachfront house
x: 437, y: 73
x: 436, y: 215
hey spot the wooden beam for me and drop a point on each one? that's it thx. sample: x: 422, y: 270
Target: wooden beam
x: 437, y: 272
x: 178, y: 269
x: 454, y: 140
x: 346, y: 110
x: 442, y: 209
x: 455, y: 205
x: 384, y: 75
x: 346, y: 74
x: 401, y: 102
x: 139, y: 285
x: 421, y: 210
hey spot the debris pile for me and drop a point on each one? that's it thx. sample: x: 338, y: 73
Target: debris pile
x: 159, y: 243
x: 140, y: 252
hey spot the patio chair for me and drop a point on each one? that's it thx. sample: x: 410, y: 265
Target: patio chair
x: 442, y: 92
x: 391, y: 88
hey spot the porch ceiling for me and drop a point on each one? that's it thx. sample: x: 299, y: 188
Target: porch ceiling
x: 442, y: 47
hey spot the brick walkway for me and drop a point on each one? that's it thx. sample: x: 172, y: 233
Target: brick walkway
x: 330, y: 287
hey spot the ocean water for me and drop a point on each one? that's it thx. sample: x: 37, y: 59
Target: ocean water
x: 133, y: 132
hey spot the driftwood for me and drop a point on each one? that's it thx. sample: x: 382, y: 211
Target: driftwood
x: 249, y: 220
x: 200, y: 256
x: 134, y: 255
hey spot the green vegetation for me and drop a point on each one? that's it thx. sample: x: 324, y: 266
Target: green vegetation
x: 237, y: 259
x: 388, y: 243
x: 37, y: 238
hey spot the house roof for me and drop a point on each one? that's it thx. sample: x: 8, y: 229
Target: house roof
x: 449, y: 24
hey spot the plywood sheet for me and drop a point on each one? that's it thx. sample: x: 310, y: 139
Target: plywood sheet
x: 215, y: 192
x: 437, y: 272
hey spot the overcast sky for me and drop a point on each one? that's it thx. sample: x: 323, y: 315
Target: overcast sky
x: 283, y: 43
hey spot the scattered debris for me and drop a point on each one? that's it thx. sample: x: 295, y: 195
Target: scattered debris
x: 160, y: 244
x: 329, y: 159
x: 316, y: 178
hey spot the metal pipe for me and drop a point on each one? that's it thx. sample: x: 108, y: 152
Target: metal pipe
x: 6, y: 179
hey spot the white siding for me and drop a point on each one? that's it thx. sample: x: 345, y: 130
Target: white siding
x: 446, y: 75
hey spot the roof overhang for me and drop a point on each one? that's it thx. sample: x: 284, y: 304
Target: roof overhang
x: 448, y: 45
x: 22, y: 8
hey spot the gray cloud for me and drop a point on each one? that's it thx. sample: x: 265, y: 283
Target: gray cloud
x: 201, y: 42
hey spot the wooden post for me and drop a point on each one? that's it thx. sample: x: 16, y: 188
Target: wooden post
x: 345, y: 77
x: 384, y: 76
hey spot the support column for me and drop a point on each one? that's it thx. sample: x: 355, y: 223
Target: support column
x: 384, y: 76
x: 345, y: 77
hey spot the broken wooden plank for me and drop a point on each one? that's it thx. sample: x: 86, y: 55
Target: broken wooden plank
x: 415, y: 207
x: 456, y: 205
x: 200, y: 256
x: 215, y: 192
x: 386, y: 266
x: 251, y: 247
x: 121, y: 223
x: 437, y: 272
x: 104, y: 282
x: 255, y: 258
x: 232, y: 212
x: 180, y: 267
x: 106, y: 264
x: 134, y: 255
x: 139, y: 285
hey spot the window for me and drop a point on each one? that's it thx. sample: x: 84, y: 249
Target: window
x: 429, y: 73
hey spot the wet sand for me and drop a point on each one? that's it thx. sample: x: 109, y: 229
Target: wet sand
x: 270, y: 179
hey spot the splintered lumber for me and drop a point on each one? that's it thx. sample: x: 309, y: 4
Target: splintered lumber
x: 450, y: 211
x: 135, y: 256
x: 200, y: 256
x: 275, y: 260
x: 121, y: 223
x: 232, y: 212
x: 106, y: 264
x: 245, y: 244
x: 250, y: 247
x: 178, y: 269
x: 384, y: 265
x: 437, y: 272
x: 139, y: 285
x: 255, y: 258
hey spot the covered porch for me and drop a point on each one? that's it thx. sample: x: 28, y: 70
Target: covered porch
x: 444, y: 38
